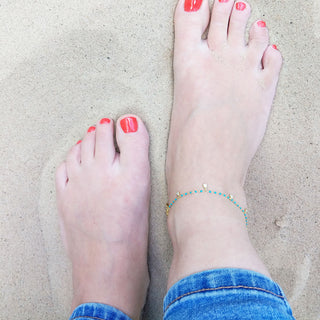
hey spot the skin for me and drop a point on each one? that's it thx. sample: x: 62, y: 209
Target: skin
x: 223, y: 92
x: 103, y: 201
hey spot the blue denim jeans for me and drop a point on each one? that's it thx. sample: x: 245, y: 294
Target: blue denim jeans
x: 228, y: 294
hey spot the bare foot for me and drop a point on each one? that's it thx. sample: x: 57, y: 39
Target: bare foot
x: 103, y: 201
x: 224, y: 88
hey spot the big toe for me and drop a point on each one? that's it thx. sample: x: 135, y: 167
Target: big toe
x: 133, y: 142
x: 191, y: 20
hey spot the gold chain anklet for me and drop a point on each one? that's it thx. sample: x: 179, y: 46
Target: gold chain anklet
x: 206, y: 190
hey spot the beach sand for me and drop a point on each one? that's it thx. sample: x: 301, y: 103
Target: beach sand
x: 65, y: 64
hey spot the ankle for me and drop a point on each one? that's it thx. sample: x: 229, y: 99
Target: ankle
x: 204, y: 193
x: 113, y: 289
x: 199, y: 211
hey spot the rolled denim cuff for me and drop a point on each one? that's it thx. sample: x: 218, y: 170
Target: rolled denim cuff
x: 97, y: 311
x: 226, y: 294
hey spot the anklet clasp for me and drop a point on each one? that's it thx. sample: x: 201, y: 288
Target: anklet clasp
x: 206, y: 190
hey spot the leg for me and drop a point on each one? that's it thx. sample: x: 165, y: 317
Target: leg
x: 103, y: 201
x: 223, y: 94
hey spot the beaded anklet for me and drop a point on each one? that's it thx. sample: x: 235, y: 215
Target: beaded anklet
x: 205, y: 190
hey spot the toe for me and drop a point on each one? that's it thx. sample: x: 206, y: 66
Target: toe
x: 104, y: 149
x: 61, y: 177
x: 217, y: 35
x: 88, y: 145
x: 191, y: 20
x: 258, y: 42
x: 238, y: 22
x: 133, y: 142
x: 272, y: 62
x: 73, y: 159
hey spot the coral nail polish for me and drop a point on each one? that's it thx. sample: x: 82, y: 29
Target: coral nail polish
x: 223, y: 1
x: 79, y: 141
x: 261, y: 24
x: 240, y: 6
x: 129, y: 124
x: 274, y: 47
x: 192, y: 5
x: 91, y: 129
x: 105, y: 120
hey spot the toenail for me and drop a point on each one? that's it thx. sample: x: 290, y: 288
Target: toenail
x: 223, y: 0
x: 105, y: 120
x: 129, y: 124
x: 91, y: 129
x: 79, y: 141
x: 274, y: 47
x: 192, y: 5
x: 261, y: 24
x: 240, y: 6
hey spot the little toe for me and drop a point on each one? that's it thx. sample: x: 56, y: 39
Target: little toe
x: 88, y: 145
x: 133, y: 142
x: 238, y: 22
x: 218, y: 30
x: 61, y: 177
x: 191, y: 20
x: 258, y: 42
x: 271, y: 62
x: 73, y: 160
x: 105, y: 149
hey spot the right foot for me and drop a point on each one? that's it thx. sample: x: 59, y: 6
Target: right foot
x: 103, y: 202
x: 223, y: 94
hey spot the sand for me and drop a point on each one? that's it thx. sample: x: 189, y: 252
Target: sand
x: 66, y: 64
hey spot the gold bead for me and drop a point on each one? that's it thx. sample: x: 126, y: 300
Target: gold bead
x: 178, y: 195
x: 230, y: 197
x: 167, y: 209
x: 205, y: 187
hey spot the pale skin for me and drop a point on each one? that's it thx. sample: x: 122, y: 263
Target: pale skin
x: 223, y: 93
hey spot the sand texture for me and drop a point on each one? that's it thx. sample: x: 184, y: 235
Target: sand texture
x: 66, y: 64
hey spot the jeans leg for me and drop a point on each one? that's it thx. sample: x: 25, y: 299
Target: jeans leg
x: 226, y: 294
x: 97, y: 311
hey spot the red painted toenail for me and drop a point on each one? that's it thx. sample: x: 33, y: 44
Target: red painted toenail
x: 240, y: 6
x: 192, y: 5
x: 223, y: 0
x: 105, y: 120
x: 261, y: 24
x: 79, y: 141
x: 274, y: 47
x: 129, y: 124
x: 91, y: 129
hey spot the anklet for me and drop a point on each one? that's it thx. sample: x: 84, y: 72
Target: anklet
x: 206, y: 190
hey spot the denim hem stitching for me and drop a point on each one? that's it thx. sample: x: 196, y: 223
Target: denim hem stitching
x: 87, y: 317
x: 219, y: 288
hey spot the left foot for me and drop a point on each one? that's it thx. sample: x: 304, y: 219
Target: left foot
x: 103, y: 202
